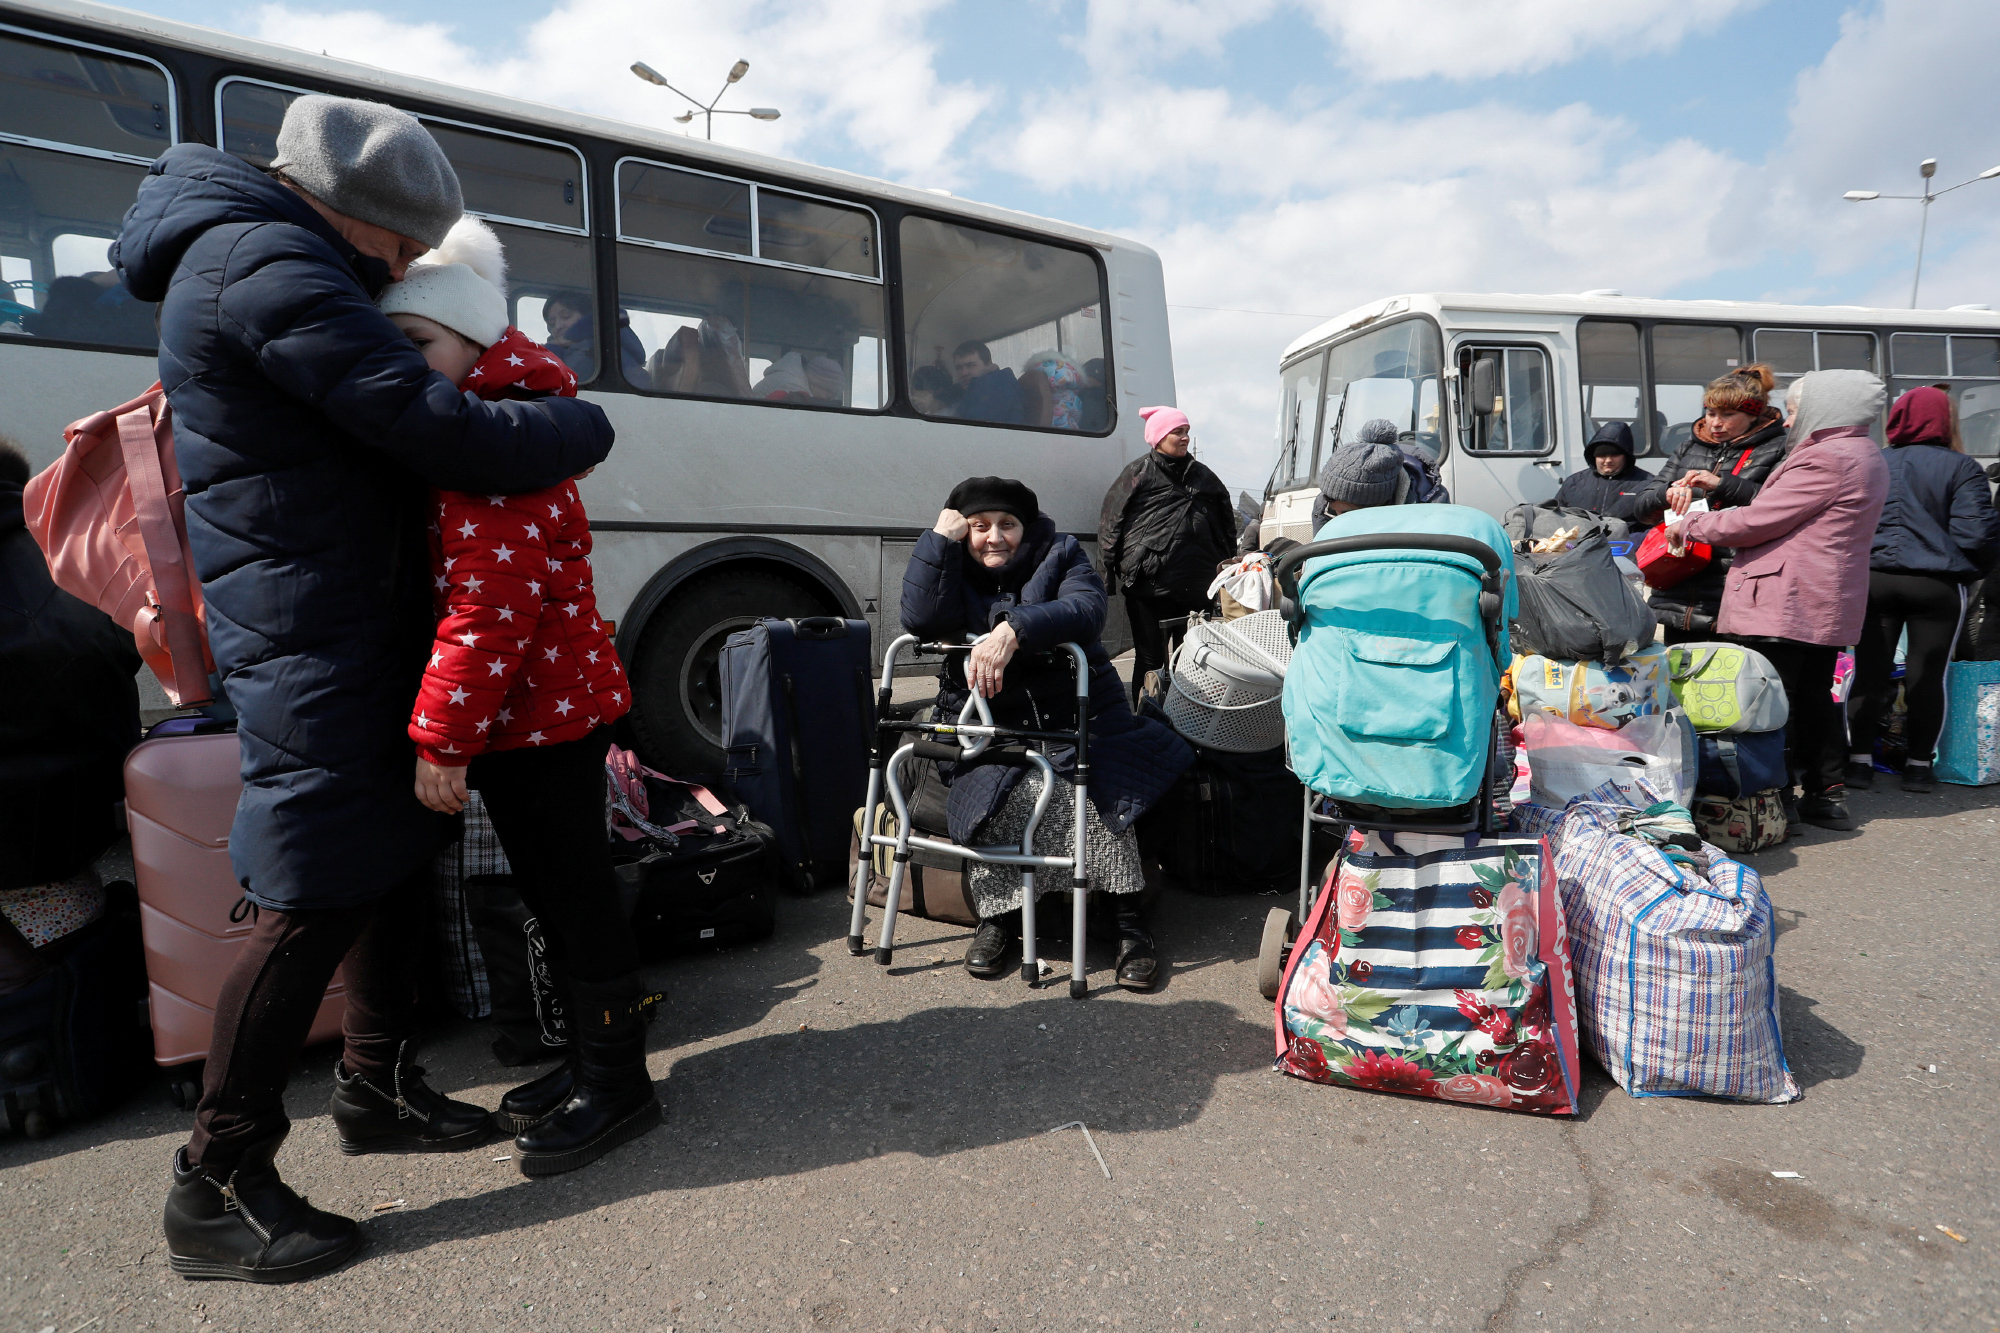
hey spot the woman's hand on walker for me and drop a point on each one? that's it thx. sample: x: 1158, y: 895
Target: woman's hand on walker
x: 951, y: 525
x: 986, y: 664
x: 439, y: 788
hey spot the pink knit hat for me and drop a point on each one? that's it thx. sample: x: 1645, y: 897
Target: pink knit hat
x: 1162, y: 422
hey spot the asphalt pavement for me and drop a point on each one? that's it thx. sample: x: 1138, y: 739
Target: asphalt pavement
x: 852, y: 1147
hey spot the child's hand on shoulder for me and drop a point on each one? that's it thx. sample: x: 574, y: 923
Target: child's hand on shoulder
x: 439, y: 788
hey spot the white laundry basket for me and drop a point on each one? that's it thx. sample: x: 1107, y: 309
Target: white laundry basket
x: 1227, y: 684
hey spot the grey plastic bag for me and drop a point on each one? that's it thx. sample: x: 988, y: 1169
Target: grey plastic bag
x: 1577, y: 607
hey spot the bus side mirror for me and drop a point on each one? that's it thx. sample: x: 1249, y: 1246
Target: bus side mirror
x: 1485, y: 384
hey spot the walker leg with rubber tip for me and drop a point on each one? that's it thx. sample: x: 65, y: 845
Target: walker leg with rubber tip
x: 1031, y: 963
x: 1079, y: 888
x: 857, y: 924
x: 898, y: 869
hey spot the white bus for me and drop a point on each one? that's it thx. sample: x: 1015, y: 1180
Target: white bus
x: 775, y: 342
x: 1504, y: 391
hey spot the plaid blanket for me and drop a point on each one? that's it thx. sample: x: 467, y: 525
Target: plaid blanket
x: 1673, y: 961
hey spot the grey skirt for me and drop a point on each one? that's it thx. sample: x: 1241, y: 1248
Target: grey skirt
x: 1113, y: 858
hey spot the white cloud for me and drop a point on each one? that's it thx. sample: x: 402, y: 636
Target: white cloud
x: 1386, y: 40
x: 860, y: 74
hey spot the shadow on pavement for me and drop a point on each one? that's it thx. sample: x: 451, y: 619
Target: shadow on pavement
x: 1816, y: 1050
x: 934, y: 1083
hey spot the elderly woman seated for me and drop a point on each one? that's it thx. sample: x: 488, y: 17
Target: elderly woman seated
x: 995, y: 565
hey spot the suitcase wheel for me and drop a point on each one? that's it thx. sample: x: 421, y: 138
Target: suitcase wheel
x: 1271, y: 952
x: 36, y: 1125
x: 185, y: 1091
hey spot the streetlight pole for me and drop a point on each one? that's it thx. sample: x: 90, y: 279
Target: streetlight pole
x: 1927, y: 169
x: 707, y: 109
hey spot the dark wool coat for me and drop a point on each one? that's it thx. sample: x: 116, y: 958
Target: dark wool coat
x: 71, y: 711
x: 306, y: 427
x: 1939, y: 518
x: 1163, y: 537
x: 1050, y: 595
x: 1767, y: 447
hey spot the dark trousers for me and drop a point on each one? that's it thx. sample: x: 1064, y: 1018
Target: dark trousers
x: 1930, y: 607
x: 1815, y: 739
x: 547, y: 806
x: 271, y: 994
x: 1153, y: 639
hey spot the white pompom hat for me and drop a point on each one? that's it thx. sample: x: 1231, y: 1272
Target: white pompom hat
x: 462, y: 284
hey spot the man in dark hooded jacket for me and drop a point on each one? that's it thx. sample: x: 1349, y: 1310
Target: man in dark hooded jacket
x: 1612, y: 483
x: 306, y: 427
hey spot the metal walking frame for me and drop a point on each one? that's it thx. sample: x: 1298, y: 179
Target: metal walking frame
x: 973, y: 733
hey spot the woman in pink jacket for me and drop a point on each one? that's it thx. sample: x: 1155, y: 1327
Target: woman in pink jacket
x: 1798, y: 592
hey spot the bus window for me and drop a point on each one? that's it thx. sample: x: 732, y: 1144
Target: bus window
x: 776, y: 302
x: 530, y: 193
x: 1967, y: 367
x: 97, y: 120
x: 1607, y: 362
x: 1389, y: 373
x: 1518, y: 422
x: 1685, y: 358
x: 1298, y: 418
x: 1794, y: 352
x: 1003, y: 330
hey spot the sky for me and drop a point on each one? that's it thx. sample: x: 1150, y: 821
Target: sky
x: 1292, y: 160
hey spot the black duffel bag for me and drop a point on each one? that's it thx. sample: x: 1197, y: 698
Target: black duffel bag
x: 1230, y: 824
x: 710, y: 883
x: 1577, y: 607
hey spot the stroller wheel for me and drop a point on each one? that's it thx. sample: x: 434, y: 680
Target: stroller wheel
x: 1271, y: 952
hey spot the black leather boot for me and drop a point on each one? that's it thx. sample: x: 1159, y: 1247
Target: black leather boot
x: 248, y: 1225
x: 613, y: 1100
x: 537, y: 1099
x: 994, y: 940
x: 407, y: 1116
x: 1138, y: 964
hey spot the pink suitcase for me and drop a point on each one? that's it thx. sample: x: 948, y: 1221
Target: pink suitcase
x: 180, y: 798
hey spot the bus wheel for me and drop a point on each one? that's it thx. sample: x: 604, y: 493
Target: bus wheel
x: 676, y: 669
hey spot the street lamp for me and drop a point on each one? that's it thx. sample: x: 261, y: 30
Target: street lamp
x: 1927, y: 169
x: 708, y: 109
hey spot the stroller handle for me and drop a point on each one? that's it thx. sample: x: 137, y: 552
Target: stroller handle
x: 1491, y: 582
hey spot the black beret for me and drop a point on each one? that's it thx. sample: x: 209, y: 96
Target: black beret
x: 977, y: 495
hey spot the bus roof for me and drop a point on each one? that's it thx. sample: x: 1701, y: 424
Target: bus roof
x: 113, y: 21
x: 1443, y: 304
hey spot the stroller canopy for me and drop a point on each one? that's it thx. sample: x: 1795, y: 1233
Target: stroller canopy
x: 1391, y: 692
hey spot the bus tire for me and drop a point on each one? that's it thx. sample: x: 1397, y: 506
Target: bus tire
x: 675, y: 671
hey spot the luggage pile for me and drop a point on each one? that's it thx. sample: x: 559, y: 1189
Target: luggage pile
x: 1737, y: 706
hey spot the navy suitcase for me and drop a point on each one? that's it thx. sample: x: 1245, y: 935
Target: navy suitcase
x: 1743, y: 764
x: 797, y: 711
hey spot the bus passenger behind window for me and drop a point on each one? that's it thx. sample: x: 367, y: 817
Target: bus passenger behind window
x: 991, y: 393
x: 1096, y: 408
x: 705, y: 360
x: 933, y: 392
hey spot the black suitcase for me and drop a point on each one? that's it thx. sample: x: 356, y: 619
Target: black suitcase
x: 714, y: 886
x: 798, y: 708
x: 74, y: 1041
x: 1231, y: 824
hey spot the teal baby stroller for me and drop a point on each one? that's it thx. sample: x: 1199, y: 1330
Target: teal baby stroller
x: 1391, y: 699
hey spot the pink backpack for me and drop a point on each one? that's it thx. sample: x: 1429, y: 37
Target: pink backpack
x: 108, y: 517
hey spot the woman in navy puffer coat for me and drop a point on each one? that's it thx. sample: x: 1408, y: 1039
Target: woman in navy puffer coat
x: 306, y: 427
x: 1046, y: 593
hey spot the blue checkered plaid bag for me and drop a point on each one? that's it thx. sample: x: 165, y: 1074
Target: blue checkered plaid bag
x: 1673, y: 959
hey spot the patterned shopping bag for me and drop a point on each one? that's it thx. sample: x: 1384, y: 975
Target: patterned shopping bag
x: 1438, y: 967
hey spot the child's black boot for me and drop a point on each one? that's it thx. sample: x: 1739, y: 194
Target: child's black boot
x: 612, y: 1101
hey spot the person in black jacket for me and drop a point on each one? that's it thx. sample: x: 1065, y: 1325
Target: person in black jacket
x: 1938, y: 533
x: 306, y: 427
x: 1166, y: 524
x: 1736, y: 444
x: 66, y: 671
x: 1611, y: 485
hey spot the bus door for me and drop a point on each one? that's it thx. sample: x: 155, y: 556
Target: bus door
x: 1509, y: 452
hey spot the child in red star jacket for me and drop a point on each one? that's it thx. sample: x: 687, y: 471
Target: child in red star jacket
x: 522, y: 683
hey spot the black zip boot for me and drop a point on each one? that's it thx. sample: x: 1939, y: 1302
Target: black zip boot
x: 612, y: 1101
x: 407, y: 1116
x: 1138, y: 963
x: 249, y: 1226
x: 537, y: 1099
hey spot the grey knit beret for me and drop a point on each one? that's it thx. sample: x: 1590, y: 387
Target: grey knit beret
x: 370, y: 162
x: 1363, y: 473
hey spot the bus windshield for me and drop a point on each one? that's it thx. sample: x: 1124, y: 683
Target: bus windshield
x: 1389, y: 374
